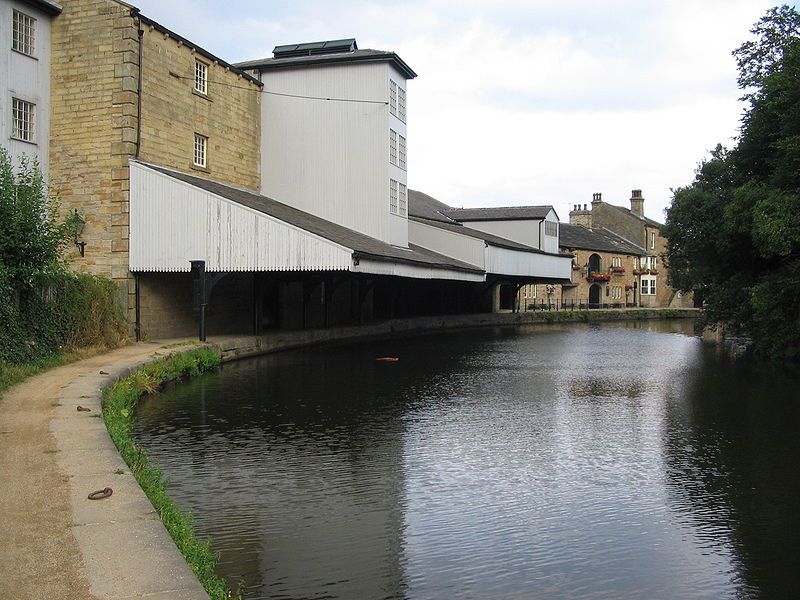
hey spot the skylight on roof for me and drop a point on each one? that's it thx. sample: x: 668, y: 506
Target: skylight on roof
x: 312, y: 48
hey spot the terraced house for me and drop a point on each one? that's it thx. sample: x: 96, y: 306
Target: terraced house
x: 271, y: 193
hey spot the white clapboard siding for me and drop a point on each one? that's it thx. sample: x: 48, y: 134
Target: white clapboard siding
x: 449, y: 243
x: 329, y: 158
x: 173, y: 223
x: 527, y: 264
x: 420, y: 271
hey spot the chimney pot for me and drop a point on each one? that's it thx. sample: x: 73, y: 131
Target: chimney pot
x: 637, y: 203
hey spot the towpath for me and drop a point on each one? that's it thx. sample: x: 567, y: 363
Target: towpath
x: 56, y: 544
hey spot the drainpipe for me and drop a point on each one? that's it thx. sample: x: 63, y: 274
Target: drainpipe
x: 138, y: 305
x: 135, y: 15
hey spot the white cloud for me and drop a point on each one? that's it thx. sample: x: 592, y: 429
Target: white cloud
x: 522, y: 101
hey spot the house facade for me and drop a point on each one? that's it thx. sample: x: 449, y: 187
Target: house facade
x: 631, y: 225
x: 25, y: 78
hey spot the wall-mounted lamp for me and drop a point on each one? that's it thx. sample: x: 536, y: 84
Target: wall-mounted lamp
x: 78, y: 223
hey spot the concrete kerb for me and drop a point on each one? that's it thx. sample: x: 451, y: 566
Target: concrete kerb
x: 127, y: 551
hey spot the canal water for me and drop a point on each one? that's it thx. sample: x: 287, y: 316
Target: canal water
x: 585, y: 461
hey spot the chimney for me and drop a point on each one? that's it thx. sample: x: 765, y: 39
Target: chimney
x: 579, y: 215
x: 597, y: 198
x: 637, y: 203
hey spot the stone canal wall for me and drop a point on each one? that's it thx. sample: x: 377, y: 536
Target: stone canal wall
x: 235, y: 347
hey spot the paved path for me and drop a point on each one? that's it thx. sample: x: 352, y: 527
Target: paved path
x: 54, y: 542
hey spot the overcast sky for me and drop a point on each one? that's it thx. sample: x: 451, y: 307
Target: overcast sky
x: 525, y: 101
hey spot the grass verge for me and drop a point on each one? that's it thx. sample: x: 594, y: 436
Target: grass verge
x: 12, y: 374
x: 119, y: 402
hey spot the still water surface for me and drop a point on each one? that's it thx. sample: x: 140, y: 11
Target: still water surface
x: 600, y: 461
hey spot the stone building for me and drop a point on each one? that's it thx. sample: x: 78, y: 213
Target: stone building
x: 125, y: 87
x: 631, y: 225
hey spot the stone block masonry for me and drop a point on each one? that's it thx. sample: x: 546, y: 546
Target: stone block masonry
x: 96, y: 125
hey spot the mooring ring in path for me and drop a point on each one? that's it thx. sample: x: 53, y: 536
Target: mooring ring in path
x: 101, y: 494
x: 83, y: 409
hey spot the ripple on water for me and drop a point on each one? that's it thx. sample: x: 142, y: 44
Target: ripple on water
x: 584, y: 462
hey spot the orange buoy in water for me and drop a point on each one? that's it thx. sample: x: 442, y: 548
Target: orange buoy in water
x: 387, y: 359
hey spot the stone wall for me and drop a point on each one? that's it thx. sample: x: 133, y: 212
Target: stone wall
x: 172, y: 112
x: 94, y: 83
x: 93, y: 117
x: 167, y: 306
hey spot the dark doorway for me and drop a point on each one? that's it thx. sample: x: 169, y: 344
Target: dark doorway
x: 594, y: 295
x: 507, y: 296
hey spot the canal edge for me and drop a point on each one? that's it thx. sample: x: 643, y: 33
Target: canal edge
x: 126, y: 549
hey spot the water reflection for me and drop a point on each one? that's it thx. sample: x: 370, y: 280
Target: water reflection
x: 576, y: 462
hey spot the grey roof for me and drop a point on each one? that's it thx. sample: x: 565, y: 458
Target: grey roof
x: 46, y: 6
x: 647, y: 220
x: 427, y: 207
x: 362, y: 245
x: 423, y: 208
x: 268, y: 64
x: 500, y: 213
x: 578, y: 237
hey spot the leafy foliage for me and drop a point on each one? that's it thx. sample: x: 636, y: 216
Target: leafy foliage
x: 734, y: 233
x: 44, y: 308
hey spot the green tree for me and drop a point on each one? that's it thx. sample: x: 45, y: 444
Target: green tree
x: 734, y: 233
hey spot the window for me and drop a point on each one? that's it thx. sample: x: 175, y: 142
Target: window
x: 551, y: 228
x: 22, y: 116
x: 616, y: 261
x: 648, y: 286
x: 393, y: 196
x: 200, y: 145
x: 393, y: 97
x: 22, y: 33
x: 401, y: 104
x: 652, y: 240
x: 403, y: 200
x: 402, y: 152
x: 201, y: 77
x: 393, y: 146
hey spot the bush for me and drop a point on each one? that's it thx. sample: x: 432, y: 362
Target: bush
x: 44, y: 308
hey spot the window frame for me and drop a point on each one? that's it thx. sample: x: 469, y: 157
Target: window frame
x: 200, y: 76
x: 393, y: 196
x: 203, y: 150
x: 551, y: 225
x: 401, y: 103
x: 393, y: 147
x: 26, y: 46
x: 393, y: 97
x: 17, y: 130
x: 402, y: 199
x: 402, y: 152
x: 652, y: 240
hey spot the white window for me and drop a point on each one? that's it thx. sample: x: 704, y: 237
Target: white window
x: 403, y: 200
x: 393, y: 97
x: 393, y: 196
x: 648, y: 286
x: 402, y: 152
x: 401, y: 104
x: 200, y: 147
x: 22, y: 35
x: 393, y: 146
x: 652, y: 240
x: 551, y: 228
x: 201, y: 77
x: 22, y: 117
x: 616, y: 261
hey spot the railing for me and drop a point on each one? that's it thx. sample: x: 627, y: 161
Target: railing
x: 574, y: 304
